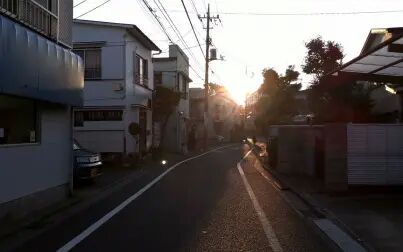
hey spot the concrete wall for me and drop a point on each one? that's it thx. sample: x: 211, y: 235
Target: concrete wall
x: 336, y: 157
x: 296, y: 149
x: 34, y: 168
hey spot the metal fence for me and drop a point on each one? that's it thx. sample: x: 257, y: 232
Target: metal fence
x: 32, y: 14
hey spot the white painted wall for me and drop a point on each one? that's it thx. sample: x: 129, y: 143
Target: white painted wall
x: 136, y: 95
x: 172, y: 68
x: 117, y: 87
x: 30, y: 168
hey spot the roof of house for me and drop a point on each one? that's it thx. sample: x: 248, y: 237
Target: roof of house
x: 165, y: 59
x: 381, y: 59
x: 379, y: 35
x: 132, y: 29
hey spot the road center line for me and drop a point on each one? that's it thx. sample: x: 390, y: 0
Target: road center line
x: 76, y: 240
x: 268, y: 229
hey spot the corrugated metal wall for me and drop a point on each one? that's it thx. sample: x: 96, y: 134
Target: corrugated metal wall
x: 375, y: 154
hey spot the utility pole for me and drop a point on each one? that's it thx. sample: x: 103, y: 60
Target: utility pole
x: 206, y: 76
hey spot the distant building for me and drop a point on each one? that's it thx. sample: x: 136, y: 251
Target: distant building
x: 40, y: 81
x: 224, y: 114
x: 251, y: 110
x: 173, y: 72
x: 118, y: 87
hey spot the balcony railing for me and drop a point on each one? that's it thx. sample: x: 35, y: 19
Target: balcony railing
x: 31, y: 14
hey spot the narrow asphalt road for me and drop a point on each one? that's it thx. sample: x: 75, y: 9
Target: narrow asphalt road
x: 204, y: 204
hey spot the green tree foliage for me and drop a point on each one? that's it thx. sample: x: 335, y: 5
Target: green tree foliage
x: 333, y: 99
x: 277, y: 103
x: 341, y: 100
x: 322, y: 57
x: 166, y: 101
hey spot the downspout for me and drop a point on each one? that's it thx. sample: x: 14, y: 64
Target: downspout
x: 125, y: 96
x: 158, y: 53
x: 71, y: 181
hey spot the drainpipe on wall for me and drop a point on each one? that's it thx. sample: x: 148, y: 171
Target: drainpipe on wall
x: 158, y: 53
x: 71, y: 181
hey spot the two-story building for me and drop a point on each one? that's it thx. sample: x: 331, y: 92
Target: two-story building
x: 173, y: 72
x: 223, y: 117
x: 117, y: 112
x: 40, y: 81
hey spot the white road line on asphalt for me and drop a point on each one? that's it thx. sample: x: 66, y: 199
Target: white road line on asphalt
x: 269, y: 180
x: 76, y: 240
x: 268, y: 229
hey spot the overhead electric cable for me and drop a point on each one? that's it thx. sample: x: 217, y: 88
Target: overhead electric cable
x: 93, y: 9
x: 191, y: 24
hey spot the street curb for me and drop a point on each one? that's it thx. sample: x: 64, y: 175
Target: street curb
x: 321, y: 212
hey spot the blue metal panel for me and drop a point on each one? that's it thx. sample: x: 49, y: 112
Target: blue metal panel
x: 34, y: 67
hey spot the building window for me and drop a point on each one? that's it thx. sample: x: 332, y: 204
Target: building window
x: 158, y: 78
x: 18, y: 120
x: 140, y: 71
x: 92, y: 62
x: 96, y: 115
x: 182, y: 86
x: 78, y: 119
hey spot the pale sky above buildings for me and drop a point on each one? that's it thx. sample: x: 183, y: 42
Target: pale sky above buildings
x: 251, y: 42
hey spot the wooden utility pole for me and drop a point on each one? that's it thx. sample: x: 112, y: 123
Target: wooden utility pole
x: 206, y: 76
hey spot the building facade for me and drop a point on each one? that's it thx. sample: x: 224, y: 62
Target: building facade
x: 224, y: 115
x: 173, y: 72
x: 40, y: 81
x: 117, y: 112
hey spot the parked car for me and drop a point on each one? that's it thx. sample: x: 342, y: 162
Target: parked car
x: 87, y: 164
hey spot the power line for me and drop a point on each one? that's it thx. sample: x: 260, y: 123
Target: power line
x: 309, y: 13
x: 176, y: 30
x: 194, y: 32
x: 194, y: 7
x: 302, y: 13
x: 93, y: 9
x: 167, y: 34
x: 156, y: 18
x: 80, y: 3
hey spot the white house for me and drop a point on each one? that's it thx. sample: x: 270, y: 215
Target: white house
x: 118, y: 87
x: 173, y: 72
x: 40, y: 81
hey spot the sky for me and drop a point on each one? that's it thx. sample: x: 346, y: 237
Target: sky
x: 250, y: 42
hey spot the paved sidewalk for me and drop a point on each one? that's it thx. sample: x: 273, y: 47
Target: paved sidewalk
x: 373, y: 216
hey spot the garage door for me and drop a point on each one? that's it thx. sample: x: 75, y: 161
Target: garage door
x: 101, y: 141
